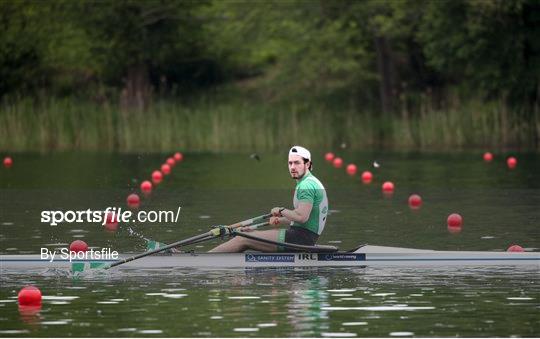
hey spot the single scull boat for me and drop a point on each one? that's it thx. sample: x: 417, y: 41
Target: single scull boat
x: 363, y: 256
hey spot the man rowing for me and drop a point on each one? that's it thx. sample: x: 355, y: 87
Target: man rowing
x: 306, y: 220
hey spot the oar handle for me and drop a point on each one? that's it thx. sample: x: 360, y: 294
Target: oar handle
x: 254, y: 227
x: 248, y: 222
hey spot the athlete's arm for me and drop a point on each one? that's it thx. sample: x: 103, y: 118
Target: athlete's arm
x: 300, y: 214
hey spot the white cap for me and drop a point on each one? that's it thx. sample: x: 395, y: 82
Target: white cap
x: 301, y: 151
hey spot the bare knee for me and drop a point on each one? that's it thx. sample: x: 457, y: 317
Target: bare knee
x: 242, y: 244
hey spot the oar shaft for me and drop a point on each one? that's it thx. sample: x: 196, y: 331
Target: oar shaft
x: 254, y: 227
x: 206, y: 236
x: 164, y: 248
x: 250, y: 221
x: 210, y: 237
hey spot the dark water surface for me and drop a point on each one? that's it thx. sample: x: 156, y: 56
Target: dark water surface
x: 500, y: 207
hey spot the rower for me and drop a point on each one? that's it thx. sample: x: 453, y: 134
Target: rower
x: 306, y: 220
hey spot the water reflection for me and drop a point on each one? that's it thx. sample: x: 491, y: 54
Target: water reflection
x: 30, y: 315
x: 292, y: 302
x: 306, y: 314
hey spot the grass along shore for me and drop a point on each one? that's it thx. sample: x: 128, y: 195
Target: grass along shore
x: 70, y: 124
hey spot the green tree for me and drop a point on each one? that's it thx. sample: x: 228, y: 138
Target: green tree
x: 133, y: 40
x: 491, y: 44
x: 22, y: 46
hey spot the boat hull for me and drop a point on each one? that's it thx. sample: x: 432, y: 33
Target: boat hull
x: 365, y: 256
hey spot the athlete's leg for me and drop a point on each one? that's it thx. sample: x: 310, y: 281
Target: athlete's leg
x: 240, y: 244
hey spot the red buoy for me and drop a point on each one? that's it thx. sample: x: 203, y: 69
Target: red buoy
x: 166, y: 169
x: 157, y: 177
x: 337, y: 162
x: 367, y: 177
x: 29, y: 296
x: 515, y: 248
x: 78, y: 246
x: 8, y: 162
x: 146, y: 187
x: 511, y: 162
x: 329, y: 156
x: 415, y: 201
x: 171, y: 162
x: 178, y: 156
x: 133, y: 200
x: 388, y: 186
x: 454, y: 220
x: 488, y: 156
x: 351, y: 169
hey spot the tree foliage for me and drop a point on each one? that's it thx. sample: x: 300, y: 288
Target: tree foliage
x: 491, y: 44
x: 366, y: 49
x: 22, y: 46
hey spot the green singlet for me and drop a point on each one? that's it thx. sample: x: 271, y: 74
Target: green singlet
x: 309, y: 189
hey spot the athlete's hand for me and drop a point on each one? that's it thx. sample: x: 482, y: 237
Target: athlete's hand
x: 274, y: 221
x: 276, y: 211
x: 245, y: 229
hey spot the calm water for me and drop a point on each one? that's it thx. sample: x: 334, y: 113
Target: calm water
x: 500, y: 207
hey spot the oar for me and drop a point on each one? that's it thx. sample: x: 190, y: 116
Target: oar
x: 251, y: 227
x: 216, y: 232
x: 254, y: 227
x: 152, y: 245
x: 251, y: 221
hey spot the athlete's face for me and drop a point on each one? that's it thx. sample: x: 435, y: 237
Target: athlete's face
x: 297, y: 168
